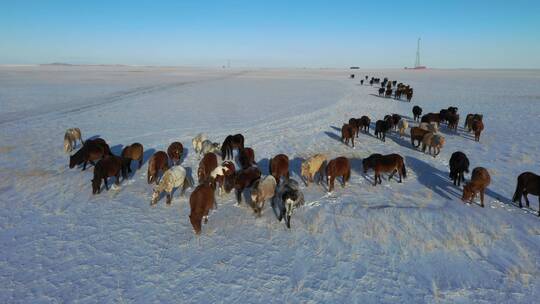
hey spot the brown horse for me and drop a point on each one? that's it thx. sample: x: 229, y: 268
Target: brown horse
x: 109, y: 166
x: 242, y: 180
x: 453, y: 121
x: 134, y: 151
x: 339, y: 166
x: 470, y: 119
x: 527, y: 183
x: 91, y: 151
x: 279, y: 166
x: 477, y: 127
x: 417, y: 134
x: 480, y: 179
x: 206, y: 165
x: 431, y: 117
x: 355, y: 124
x: 246, y: 157
x: 230, y: 143
x: 390, y: 163
x: 364, y: 123
x: 175, y: 151
x: 228, y: 182
x: 347, y: 133
x: 158, y: 162
x: 202, y: 199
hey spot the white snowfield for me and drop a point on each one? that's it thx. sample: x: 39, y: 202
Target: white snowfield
x: 414, y: 242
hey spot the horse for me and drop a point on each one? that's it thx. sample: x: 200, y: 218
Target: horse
x: 381, y: 127
x: 396, y: 118
x: 355, y: 124
x: 388, y: 93
x: 207, y: 164
x: 279, y: 166
x: 432, y: 140
x: 431, y: 127
x: 339, y: 166
x: 361, y: 81
x: 134, y: 151
x: 470, y: 119
x: 230, y: 143
x: 173, y: 178
x: 480, y: 180
x: 347, y: 133
x: 402, y: 126
x: 244, y: 179
x: 381, y: 91
x: 246, y: 158
x: 175, y: 151
x: 385, y: 163
x: 262, y: 190
x: 312, y: 166
x: 197, y: 142
x: 431, y: 117
x: 409, y: 95
x: 158, y: 162
x: 364, y: 123
x: 459, y: 163
x: 201, y: 201
x: 217, y: 176
x: 92, y: 150
x: 208, y: 146
x: 229, y: 175
x: 287, y: 198
x: 478, y: 127
x: 417, y: 134
x: 70, y: 139
x: 417, y: 112
x: 453, y: 121
x: 109, y: 166
x: 443, y: 115
x: 527, y: 183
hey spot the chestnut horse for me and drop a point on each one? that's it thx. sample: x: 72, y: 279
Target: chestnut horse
x: 527, y: 183
x: 339, y: 166
x: 158, y: 162
x: 109, y: 166
x: 417, y: 134
x: 477, y: 127
x: 91, y: 151
x: 242, y: 180
x: 480, y: 179
x: 246, y: 157
x: 201, y: 200
x: 355, y: 124
x: 175, y: 151
x: 207, y: 164
x: 134, y: 151
x: 347, y: 133
x: 385, y: 163
x: 431, y: 117
x: 230, y: 143
x: 279, y: 166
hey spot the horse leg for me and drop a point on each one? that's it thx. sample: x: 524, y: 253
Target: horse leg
x: 392, y: 174
x: 238, y: 196
x: 482, y: 198
x: 169, y: 198
x: 331, y: 183
x: 538, y: 205
x: 106, y: 183
x: 352, y: 139
x: 526, y: 198
x: 117, y: 182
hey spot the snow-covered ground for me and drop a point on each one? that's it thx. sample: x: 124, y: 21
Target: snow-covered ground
x: 414, y: 242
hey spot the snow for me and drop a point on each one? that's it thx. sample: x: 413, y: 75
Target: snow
x: 412, y: 242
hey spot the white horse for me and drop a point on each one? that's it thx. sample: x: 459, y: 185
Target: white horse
x: 70, y: 139
x: 431, y: 127
x: 197, y: 142
x: 208, y: 146
x: 262, y: 190
x: 288, y: 197
x: 218, y: 176
x: 402, y: 126
x: 172, y: 178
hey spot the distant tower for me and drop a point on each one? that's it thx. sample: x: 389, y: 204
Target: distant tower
x: 417, y: 62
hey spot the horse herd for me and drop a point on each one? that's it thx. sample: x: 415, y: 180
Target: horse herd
x: 217, y: 169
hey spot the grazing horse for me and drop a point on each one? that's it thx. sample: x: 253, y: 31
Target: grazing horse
x: 402, y: 126
x: 230, y: 143
x: 388, y: 93
x: 453, y: 121
x: 417, y: 112
x: 262, y: 190
x: 381, y: 127
x: 431, y: 127
x: 312, y: 166
x: 91, y: 151
x: 409, y: 95
x: 443, y: 114
x: 364, y: 124
x: 478, y: 127
x: 246, y: 158
x: 417, y: 134
x: 432, y: 140
x: 527, y: 183
x: 208, y: 146
x: 173, y: 178
x: 158, y: 162
x: 175, y: 151
x: 361, y: 81
x: 134, y: 151
x: 197, y: 142
x: 207, y: 164
x: 390, y: 163
x: 107, y: 167
x: 396, y: 118
x: 347, y: 133
x: 279, y: 166
x: 201, y: 201
x: 480, y: 180
x: 339, y: 166
x: 229, y: 175
x: 217, y: 176
x: 287, y: 198
x: 70, y: 139
x: 244, y: 179
x: 459, y: 163
x: 432, y: 117
x: 470, y: 119
x: 381, y: 91
x: 355, y: 124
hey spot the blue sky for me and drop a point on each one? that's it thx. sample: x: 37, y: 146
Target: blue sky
x: 375, y: 34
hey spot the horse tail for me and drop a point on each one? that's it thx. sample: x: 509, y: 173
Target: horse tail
x: 519, y: 191
x: 403, y: 169
x: 347, y: 175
